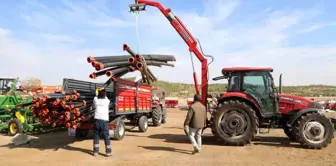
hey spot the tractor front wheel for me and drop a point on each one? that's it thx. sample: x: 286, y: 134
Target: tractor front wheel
x: 164, y: 115
x: 314, y: 130
x: 15, y: 126
x: 235, y: 123
x: 157, y: 116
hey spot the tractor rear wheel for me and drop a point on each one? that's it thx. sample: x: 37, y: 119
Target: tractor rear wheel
x: 236, y: 123
x: 314, y: 130
x: 157, y: 116
x: 290, y: 133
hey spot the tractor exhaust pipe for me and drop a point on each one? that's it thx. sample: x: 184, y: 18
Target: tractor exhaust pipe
x: 280, y: 83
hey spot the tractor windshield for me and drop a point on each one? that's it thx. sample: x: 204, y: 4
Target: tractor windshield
x: 257, y: 82
x: 158, y: 92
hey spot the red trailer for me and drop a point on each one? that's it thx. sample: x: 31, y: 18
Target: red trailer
x: 129, y: 101
x: 171, y: 102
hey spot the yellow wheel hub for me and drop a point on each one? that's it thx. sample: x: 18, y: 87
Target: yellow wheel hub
x: 12, y: 128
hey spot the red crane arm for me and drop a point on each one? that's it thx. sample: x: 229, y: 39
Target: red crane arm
x: 189, y: 40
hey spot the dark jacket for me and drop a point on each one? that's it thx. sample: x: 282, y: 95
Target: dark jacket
x: 196, y: 117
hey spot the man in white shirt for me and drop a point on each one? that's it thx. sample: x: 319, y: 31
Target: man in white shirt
x: 101, y: 122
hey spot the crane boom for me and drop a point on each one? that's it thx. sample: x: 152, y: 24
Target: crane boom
x: 188, y: 39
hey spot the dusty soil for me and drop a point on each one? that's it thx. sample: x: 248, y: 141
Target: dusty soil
x: 164, y: 145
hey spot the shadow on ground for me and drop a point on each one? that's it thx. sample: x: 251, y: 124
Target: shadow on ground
x: 276, y: 141
x: 180, y: 128
x: 211, y: 140
x: 132, y: 127
x: 169, y: 149
x: 51, y: 141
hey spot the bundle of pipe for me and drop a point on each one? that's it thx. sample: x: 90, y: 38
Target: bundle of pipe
x: 62, y: 109
x: 117, y: 66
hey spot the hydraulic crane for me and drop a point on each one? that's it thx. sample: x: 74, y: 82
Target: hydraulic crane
x: 248, y: 105
x: 140, y: 5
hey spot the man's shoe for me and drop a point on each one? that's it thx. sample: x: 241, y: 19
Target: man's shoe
x: 95, y: 154
x: 195, y: 151
x: 108, y: 154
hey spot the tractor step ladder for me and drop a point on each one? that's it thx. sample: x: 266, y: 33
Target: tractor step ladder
x: 266, y: 130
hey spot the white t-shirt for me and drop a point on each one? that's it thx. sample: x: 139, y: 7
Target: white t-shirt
x: 102, y: 108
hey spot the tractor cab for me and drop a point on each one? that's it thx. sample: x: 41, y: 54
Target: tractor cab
x: 159, y: 93
x: 253, y: 84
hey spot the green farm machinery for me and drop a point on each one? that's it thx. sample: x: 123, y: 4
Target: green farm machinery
x: 13, y: 117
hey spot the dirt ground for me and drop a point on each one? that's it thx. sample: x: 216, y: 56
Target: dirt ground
x: 164, y: 145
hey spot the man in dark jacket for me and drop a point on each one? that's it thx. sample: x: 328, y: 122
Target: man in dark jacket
x: 195, y: 122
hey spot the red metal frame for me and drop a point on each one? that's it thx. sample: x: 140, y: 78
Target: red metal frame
x: 126, y: 97
x: 189, y: 40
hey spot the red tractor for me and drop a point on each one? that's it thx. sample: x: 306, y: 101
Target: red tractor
x: 159, y: 113
x: 252, y: 100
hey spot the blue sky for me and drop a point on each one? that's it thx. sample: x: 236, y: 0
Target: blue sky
x: 51, y: 39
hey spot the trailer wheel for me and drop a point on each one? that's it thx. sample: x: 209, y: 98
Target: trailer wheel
x: 157, y: 116
x: 14, y: 126
x: 143, y: 124
x: 313, y: 130
x: 119, y: 132
x: 81, y: 133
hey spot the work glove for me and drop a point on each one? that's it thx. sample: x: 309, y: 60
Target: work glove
x: 97, y: 91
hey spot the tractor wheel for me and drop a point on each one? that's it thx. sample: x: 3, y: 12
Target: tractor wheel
x: 143, y: 124
x: 314, y: 130
x: 290, y: 133
x: 164, y: 115
x: 119, y: 132
x: 236, y: 123
x: 213, y: 131
x: 15, y: 126
x: 157, y: 116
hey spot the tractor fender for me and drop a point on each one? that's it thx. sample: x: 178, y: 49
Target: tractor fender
x: 244, y: 97
x: 295, y: 116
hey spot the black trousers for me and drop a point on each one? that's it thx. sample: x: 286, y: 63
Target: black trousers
x: 101, y: 129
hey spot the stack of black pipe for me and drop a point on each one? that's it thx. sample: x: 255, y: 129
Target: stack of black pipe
x: 75, y: 104
x: 116, y: 66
